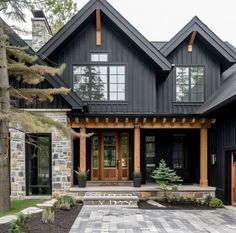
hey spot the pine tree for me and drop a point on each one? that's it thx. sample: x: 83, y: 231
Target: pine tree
x: 59, y: 12
x: 17, y: 65
x: 165, y: 177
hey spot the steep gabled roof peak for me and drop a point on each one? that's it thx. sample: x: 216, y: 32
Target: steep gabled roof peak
x: 118, y: 20
x: 195, y: 24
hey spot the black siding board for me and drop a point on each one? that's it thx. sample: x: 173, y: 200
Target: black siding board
x: 221, y: 141
x: 140, y: 71
x: 201, y: 55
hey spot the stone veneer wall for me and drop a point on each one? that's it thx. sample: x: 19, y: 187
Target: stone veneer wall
x: 61, y: 159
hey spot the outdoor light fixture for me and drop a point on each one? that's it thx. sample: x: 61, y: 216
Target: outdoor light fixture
x: 213, y: 159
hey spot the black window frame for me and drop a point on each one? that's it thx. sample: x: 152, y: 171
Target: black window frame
x: 27, y: 158
x: 189, y: 93
x: 108, y: 65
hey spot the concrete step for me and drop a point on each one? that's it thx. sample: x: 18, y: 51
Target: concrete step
x: 124, y: 199
x: 110, y: 183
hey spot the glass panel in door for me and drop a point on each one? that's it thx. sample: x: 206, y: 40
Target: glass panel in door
x: 110, y: 169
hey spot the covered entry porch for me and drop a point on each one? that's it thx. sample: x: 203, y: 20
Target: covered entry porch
x: 120, y: 146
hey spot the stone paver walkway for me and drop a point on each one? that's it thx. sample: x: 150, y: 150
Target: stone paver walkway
x: 124, y: 220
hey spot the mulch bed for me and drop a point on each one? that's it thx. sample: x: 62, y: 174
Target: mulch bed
x: 169, y: 206
x: 62, y: 224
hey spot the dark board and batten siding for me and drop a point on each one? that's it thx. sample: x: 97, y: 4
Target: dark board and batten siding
x: 222, y: 140
x: 140, y: 72
x: 181, y: 57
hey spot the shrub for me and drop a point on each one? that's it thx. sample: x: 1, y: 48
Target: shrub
x: 20, y: 225
x: 216, y: 203
x: 166, y: 177
x: 48, y: 215
x: 65, y: 202
x: 208, y: 199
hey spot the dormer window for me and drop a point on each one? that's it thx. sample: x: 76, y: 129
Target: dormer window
x: 99, y: 57
x: 190, y: 84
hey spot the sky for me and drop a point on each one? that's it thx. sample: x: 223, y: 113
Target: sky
x: 160, y: 20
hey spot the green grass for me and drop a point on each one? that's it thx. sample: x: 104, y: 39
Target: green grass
x: 18, y: 205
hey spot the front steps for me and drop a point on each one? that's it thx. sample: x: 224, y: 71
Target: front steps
x: 126, y: 183
x: 124, y: 199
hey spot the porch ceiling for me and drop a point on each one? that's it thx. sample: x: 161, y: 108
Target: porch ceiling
x: 143, y: 123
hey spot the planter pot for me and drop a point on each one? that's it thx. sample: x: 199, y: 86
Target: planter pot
x: 82, y: 182
x: 137, y: 182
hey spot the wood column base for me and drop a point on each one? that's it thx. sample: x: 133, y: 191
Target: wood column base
x: 203, y: 183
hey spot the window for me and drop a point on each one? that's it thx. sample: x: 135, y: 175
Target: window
x: 190, y: 84
x: 99, y: 82
x: 38, y: 164
x: 99, y: 57
x: 149, y: 155
x: 178, y: 152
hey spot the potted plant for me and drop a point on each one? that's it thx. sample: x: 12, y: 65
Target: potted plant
x: 137, y: 179
x: 82, y: 177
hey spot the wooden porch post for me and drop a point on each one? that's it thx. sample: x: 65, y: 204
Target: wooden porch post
x: 137, y: 148
x: 83, y: 149
x: 203, y: 157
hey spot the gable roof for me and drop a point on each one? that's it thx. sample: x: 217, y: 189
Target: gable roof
x: 118, y: 20
x: 71, y: 98
x: 224, y: 95
x: 197, y: 25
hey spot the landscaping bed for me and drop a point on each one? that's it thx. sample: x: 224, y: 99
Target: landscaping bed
x: 169, y: 206
x: 63, y: 222
x: 181, y: 203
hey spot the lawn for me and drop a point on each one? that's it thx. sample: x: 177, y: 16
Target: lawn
x: 18, y: 205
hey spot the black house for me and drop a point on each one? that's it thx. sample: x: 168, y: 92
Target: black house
x: 143, y: 101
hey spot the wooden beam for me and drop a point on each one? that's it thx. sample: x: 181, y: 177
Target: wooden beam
x: 87, y: 120
x: 107, y: 120
x: 137, y: 148
x: 173, y: 120
x: 126, y: 120
x: 76, y: 120
x: 82, y: 156
x: 144, y: 120
x: 191, y: 41
x: 154, y: 120
x: 96, y: 120
x: 164, y: 120
x: 136, y: 120
x: 203, y: 121
x: 193, y: 121
x: 203, y: 157
x: 183, y: 120
x: 98, y: 28
x: 117, y: 120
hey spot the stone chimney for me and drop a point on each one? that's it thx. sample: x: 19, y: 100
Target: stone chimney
x: 41, y: 31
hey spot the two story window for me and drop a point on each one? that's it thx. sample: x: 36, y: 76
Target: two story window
x: 190, y: 84
x: 99, y: 82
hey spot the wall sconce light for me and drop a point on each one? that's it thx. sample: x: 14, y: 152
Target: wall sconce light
x: 213, y: 159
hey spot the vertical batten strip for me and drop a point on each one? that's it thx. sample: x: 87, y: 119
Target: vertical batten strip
x: 98, y: 28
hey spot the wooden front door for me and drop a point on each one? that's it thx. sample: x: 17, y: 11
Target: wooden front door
x: 233, y: 169
x: 110, y: 153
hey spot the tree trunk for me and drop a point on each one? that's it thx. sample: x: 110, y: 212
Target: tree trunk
x: 4, y: 126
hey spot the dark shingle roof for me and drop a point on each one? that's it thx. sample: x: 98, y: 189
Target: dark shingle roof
x: 224, y: 95
x: 158, y: 44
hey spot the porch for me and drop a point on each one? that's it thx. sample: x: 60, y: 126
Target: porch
x: 145, y: 191
x: 119, y: 146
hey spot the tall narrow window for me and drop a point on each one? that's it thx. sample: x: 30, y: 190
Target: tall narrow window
x: 117, y: 83
x: 38, y: 164
x: 149, y: 155
x: 178, y: 152
x: 190, y: 84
